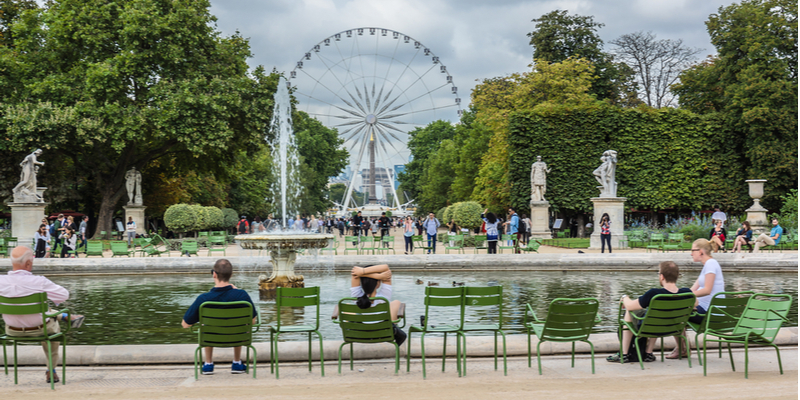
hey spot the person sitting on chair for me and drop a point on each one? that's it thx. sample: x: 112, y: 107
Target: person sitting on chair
x: 774, y: 237
x: 375, y: 281
x: 222, y: 291
x: 20, y: 282
x: 743, y: 237
x: 667, y: 276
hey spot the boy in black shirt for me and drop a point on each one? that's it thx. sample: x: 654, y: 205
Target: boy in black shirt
x: 667, y: 276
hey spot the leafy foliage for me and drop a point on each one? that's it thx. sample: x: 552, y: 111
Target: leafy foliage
x: 180, y: 218
x: 467, y: 214
x: 423, y: 143
x: 214, y: 218
x: 229, y: 218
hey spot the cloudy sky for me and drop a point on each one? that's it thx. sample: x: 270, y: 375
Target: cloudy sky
x: 474, y: 39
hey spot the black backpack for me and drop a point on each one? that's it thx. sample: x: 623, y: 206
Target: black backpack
x: 242, y: 226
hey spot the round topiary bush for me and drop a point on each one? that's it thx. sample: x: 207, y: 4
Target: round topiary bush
x: 180, y: 218
x: 447, y: 215
x: 214, y: 216
x: 202, y: 217
x: 467, y: 214
x: 229, y: 218
x: 440, y: 215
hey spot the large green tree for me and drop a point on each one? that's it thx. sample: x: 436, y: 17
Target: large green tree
x: 752, y: 83
x: 106, y: 85
x: 322, y: 156
x: 423, y: 144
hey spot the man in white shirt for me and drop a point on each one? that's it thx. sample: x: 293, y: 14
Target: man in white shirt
x: 20, y: 282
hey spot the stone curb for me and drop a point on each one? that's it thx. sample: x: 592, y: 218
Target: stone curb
x: 297, y: 350
x: 761, y: 262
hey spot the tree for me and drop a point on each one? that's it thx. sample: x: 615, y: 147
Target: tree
x: 656, y: 63
x: 10, y: 11
x: 753, y: 85
x: 130, y: 82
x: 558, y: 36
x: 437, y: 177
x: 322, y: 156
x: 422, y: 143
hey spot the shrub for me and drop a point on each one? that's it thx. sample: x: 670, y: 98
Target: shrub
x: 201, y: 215
x: 215, y: 217
x: 229, y: 218
x: 467, y: 214
x: 440, y: 214
x: 788, y: 217
x: 447, y: 215
x: 180, y: 218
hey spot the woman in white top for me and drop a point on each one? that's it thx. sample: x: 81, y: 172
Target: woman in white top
x: 492, y: 235
x: 375, y: 281
x: 69, y: 239
x: 312, y: 224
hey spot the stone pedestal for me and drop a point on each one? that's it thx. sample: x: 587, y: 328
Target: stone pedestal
x: 540, y: 220
x: 137, y: 212
x: 282, y: 274
x: 25, y: 220
x: 757, y: 215
x: 615, y: 207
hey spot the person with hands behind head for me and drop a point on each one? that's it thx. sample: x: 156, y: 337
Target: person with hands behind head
x: 375, y: 281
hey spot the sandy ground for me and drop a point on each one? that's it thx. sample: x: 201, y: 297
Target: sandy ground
x: 375, y: 380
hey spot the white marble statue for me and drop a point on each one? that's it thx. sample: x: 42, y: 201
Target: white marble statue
x: 25, y: 191
x: 133, y: 181
x: 539, y: 173
x: 606, y: 174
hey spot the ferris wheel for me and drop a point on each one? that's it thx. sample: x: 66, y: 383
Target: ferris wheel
x: 374, y: 85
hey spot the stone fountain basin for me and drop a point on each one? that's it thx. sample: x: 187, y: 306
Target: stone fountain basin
x: 284, y: 241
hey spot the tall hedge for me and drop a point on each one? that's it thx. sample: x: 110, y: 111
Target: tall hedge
x: 214, y: 218
x: 667, y: 159
x: 180, y: 218
x: 229, y: 218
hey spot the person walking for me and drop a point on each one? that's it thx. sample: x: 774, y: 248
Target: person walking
x: 431, y: 226
x: 82, y: 232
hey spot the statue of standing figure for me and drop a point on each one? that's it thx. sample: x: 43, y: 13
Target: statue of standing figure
x: 133, y: 182
x: 539, y: 173
x: 606, y: 174
x: 25, y: 191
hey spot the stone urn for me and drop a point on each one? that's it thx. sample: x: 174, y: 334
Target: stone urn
x: 756, y: 214
x: 283, y: 250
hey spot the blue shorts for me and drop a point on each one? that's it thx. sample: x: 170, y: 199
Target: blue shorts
x: 698, y: 319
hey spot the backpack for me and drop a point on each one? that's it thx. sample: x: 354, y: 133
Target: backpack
x: 242, y: 227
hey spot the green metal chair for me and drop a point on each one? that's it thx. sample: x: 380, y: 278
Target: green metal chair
x: 35, y: 304
x: 420, y: 243
x: 656, y: 242
x: 507, y: 238
x: 480, y: 243
x: 351, y: 244
x: 533, y: 245
x: 155, y: 246
x: 103, y: 235
x: 759, y: 324
x: 674, y: 242
x: 568, y: 320
x: 666, y: 316
x: 635, y: 238
x: 226, y: 324
x: 189, y: 247
x: 458, y: 244
x: 333, y: 245
x: 438, y: 298
x: 120, y: 248
x: 733, y: 303
x: 730, y: 236
x: 486, y: 296
x: 217, y: 240
x: 11, y: 243
x: 371, y: 325
x: 295, y: 297
x: 115, y: 235
x: 3, y: 248
x: 94, y: 248
x: 202, y: 234
x: 387, y: 244
x: 368, y: 244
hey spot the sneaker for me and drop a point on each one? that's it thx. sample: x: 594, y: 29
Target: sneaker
x: 208, y: 369
x: 77, y: 321
x: 238, y: 368
x: 615, y: 358
x: 649, y: 357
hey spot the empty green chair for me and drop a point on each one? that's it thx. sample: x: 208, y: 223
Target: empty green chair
x: 189, y: 247
x: 333, y: 245
x: 421, y: 243
x: 656, y: 242
x: 504, y: 239
x: 368, y: 244
x: 487, y: 296
x: 202, y: 234
x: 351, y: 244
x: 3, y: 248
x: 568, y: 320
x: 120, y: 248
x: 458, y: 244
x: 94, y: 248
x: 733, y: 303
x: 759, y: 323
x: 533, y: 245
x: 295, y: 297
x: 370, y: 325
x: 35, y: 304
x: 480, y: 243
x: 666, y: 316
x: 436, y: 299
x: 387, y: 244
x: 216, y: 243
x: 226, y: 324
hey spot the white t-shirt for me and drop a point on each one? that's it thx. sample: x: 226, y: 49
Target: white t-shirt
x: 710, y: 267
x: 384, y: 290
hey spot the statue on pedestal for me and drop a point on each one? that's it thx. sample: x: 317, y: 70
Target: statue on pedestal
x: 133, y: 182
x: 606, y: 174
x: 25, y: 191
x: 539, y: 173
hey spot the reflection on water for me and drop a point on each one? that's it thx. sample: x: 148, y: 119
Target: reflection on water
x: 148, y: 309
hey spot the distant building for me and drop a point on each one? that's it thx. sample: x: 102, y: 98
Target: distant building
x: 383, y: 180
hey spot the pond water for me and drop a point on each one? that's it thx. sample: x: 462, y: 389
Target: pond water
x: 148, y: 309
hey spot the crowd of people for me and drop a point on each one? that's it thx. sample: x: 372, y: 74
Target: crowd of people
x: 63, y: 235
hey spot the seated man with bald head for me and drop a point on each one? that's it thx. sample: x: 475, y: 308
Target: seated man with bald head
x: 20, y: 282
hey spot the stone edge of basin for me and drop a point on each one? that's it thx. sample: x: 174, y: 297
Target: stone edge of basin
x: 478, y: 346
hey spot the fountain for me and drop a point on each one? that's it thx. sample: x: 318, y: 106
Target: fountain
x: 283, y: 246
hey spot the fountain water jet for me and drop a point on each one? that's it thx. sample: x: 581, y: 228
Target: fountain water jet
x: 283, y: 246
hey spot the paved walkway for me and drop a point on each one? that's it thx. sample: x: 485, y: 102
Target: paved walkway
x: 374, y: 379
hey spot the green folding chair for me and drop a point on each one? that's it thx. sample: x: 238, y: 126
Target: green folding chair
x: 733, y: 303
x: 387, y: 244
x: 370, y: 325
x: 506, y: 239
x: 3, y: 248
x: 155, y: 246
x: 656, y: 242
x: 439, y: 298
x: 351, y: 243
x: 333, y: 245
x: 533, y: 245
x: 759, y: 324
x: 226, y: 324
x: 458, y: 244
x: 666, y: 316
x: 120, y: 248
x: 35, y: 304
x: 487, y: 296
x: 295, y: 297
x: 216, y: 243
x: 94, y: 248
x: 368, y: 244
x: 568, y: 320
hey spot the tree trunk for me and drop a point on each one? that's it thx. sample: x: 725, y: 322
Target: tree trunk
x: 581, y: 225
x: 108, y: 204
